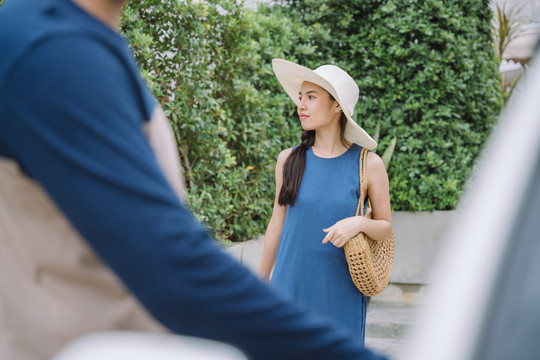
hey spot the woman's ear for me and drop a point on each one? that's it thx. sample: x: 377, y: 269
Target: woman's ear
x: 337, y: 107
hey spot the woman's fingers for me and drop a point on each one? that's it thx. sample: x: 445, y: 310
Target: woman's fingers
x: 341, y: 232
x: 334, y: 237
x: 339, y: 242
x: 329, y: 235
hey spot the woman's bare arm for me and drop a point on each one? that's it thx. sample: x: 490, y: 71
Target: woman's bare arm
x: 380, y: 226
x: 275, y: 226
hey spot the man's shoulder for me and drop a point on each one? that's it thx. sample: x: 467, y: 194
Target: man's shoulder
x: 27, y: 24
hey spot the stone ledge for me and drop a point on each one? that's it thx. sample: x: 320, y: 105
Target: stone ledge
x: 419, y: 237
x: 407, y: 294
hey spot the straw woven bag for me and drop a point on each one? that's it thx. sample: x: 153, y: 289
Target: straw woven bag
x: 370, y: 261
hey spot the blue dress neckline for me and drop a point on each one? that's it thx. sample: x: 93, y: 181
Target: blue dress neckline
x: 334, y: 157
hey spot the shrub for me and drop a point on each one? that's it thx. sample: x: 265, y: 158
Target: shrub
x: 427, y: 70
x: 209, y: 65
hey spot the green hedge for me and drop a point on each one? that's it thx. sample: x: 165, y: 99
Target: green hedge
x: 426, y: 72
x: 210, y: 66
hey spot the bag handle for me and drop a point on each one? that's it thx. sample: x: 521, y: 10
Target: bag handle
x: 362, y: 166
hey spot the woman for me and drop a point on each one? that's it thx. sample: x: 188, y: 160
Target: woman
x: 317, y: 190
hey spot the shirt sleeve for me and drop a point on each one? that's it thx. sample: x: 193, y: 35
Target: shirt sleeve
x: 73, y: 124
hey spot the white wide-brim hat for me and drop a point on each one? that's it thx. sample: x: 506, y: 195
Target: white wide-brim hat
x: 334, y: 80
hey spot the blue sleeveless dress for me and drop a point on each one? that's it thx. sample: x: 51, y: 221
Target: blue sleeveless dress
x: 310, y: 273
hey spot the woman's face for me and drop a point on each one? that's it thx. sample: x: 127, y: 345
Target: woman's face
x: 316, y: 109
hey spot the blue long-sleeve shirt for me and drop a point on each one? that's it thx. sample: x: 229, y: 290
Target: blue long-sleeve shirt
x: 71, y: 111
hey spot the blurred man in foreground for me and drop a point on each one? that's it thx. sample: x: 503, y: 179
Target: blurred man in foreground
x: 89, y: 183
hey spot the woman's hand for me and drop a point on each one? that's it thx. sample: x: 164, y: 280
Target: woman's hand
x: 343, y: 231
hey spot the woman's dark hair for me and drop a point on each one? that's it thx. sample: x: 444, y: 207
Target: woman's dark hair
x: 293, y: 170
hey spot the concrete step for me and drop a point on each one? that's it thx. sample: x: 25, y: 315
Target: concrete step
x: 387, y: 326
x: 390, y: 316
x: 388, y: 320
x: 391, y: 348
x: 406, y: 294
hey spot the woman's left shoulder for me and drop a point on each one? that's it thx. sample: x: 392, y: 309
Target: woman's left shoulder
x: 373, y: 157
x: 374, y: 163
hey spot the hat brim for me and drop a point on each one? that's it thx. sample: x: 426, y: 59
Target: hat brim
x: 291, y: 76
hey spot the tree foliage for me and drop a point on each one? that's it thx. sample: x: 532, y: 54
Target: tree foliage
x: 209, y: 65
x: 426, y: 71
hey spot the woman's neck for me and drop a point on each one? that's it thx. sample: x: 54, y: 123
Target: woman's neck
x: 328, y: 145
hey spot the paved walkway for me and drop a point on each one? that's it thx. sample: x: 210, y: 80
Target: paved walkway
x: 387, y: 325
